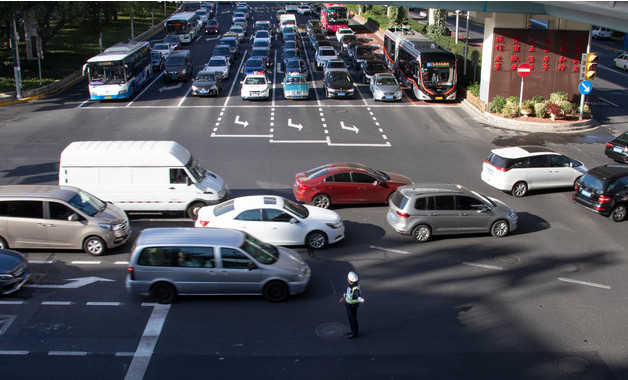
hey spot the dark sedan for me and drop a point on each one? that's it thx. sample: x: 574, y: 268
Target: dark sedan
x: 13, y: 271
x: 617, y: 149
x: 346, y: 182
x: 370, y: 68
x: 338, y: 84
x: 207, y: 83
x: 262, y: 54
x: 212, y: 27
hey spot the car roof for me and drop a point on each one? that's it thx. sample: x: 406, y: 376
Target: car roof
x: 432, y: 188
x: 190, y: 236
x: 609, y: 171
x: 64, y: 193
x: 523, y: 151
x: 258, y: 201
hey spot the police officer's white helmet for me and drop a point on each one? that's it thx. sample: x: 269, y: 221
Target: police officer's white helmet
x: 352, y: 276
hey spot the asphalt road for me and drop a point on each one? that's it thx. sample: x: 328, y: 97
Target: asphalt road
x: 544, y: 302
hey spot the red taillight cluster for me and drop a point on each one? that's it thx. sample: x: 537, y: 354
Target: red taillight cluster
x: 402, y: 214
x: 609, y: 145
x: 203, y: 223
x: 604, y: 199
x: 131, y: 273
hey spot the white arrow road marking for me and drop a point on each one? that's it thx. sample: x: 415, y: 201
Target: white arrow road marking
x: 352, y: 128
x: 242, y: 123
x: 166, y: 88
x: 297, y: 126
x: 77, y: 283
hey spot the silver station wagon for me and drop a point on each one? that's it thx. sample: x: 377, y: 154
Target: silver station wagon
x: 166, y: 262
x: 426, y: 209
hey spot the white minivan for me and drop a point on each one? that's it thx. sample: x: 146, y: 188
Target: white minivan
x: 141, y: 176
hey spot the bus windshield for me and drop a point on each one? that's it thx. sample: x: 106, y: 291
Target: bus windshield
x: 178, y: 27
x: 337, y: 15
x: 438, y: 75
x: 110, y: 74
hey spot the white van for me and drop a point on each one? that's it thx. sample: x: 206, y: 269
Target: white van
x: 141, y: 176
x: 287, y: 20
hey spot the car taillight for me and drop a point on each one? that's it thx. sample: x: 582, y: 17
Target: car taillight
x: 402, y: 214
x: 496, y: 167
x: 203, y: 223
x: 604, y: 199
x: 131, y: 273
x: 609, y: 145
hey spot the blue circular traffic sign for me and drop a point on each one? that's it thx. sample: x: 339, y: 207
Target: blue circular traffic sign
x: 585, y: 87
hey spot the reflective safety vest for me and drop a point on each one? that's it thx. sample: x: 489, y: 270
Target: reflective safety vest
x: 349, y: 294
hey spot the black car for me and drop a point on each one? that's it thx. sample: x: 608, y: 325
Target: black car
x: 173, y: 40
x: 179, y: 66
x: 361, y: 53
x: 316, y: 37
x: 338, y: 84
x: 617, y: 149
x: 233, y: 43
x: 263, y: 54
x: 13, y: 271
x: 207, y: 83
x: 370, y: 68
x: 158, y: 61
x: 604, y: 189
x: 288, y: 54
x: 223, y: 51
x: 297, y: 65
x: 348, y: 39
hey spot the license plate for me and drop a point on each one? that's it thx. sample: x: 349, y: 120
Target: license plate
x: 341, y: 94
x: 389, y: 97
x: 489, y: 171
x: 254, y: 93
x: 618, y: 149
x: 203, y: 91
x: 439, y: 98
x: 586, y: 193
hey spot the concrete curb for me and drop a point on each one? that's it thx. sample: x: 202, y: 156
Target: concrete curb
x: 9, y: 98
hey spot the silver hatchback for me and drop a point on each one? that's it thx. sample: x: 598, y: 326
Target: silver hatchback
x: 166, y: 262
x: 427, y: 209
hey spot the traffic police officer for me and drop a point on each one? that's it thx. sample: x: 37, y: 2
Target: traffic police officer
x: 352, y: 300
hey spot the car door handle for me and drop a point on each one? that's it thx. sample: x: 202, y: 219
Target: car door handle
x: 171, y: 188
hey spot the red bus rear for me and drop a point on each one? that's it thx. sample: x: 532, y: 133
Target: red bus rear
x: 334, y: 17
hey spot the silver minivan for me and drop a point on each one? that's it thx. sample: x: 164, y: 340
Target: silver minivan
x: 166, y: 262
x: 424, y: 209
x: 61, y: 217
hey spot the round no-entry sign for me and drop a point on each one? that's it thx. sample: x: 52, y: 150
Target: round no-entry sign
x: 524, y: 70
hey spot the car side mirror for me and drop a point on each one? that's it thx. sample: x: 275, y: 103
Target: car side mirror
x: 188, y: 181
x: 252, y: 266
x: 73, y: 218
x: 293, y: 221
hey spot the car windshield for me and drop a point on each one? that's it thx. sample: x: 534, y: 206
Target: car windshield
x: 87, y: 203
x: 255, y: 80
x: 327, y: 52
x: 260, y: 44
x: 222, y: 50
x: 205, y: 78
x: 623, y: 138
x: 212, y: 22
x: 254, y: 62
x: 214, y: 62
x: 348, y: 38
x: 196, y: 169
x: 297, y: 79
x: 295, y: 208
x: 340, y: 78
x: 336, y: 65
x: 592, y: 182
x: 262, y: 252
x: 155, y: 56
x: 293, y: 65
x: 386, y: 81
x: 372, y: 66
x: 262, y: 34
x: 161, y: 47
x: 175, y: 61
x: 290, y: 45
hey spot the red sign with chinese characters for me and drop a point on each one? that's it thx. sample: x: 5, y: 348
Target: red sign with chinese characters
x: 552, y: 55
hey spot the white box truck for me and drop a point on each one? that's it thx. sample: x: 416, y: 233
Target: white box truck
x: 141, y: 176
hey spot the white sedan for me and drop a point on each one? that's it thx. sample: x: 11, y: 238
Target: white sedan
x: 343, y: 31
x: 276, y: 220
x: 324, y: 54
x: 164, y: 48
x: 255, y: 86
x: 621, y: 62
x: 219, y: 65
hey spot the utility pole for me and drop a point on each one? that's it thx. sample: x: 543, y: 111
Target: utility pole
x: 17, y: 70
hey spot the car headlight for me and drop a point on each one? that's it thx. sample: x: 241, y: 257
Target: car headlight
x: 111, y: 227
x: 5, y: 277
x: 335, y: 226
x: 194, y: 88
x: 512, y: 214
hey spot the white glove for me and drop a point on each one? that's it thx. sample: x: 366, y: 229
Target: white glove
x: 360, y: 299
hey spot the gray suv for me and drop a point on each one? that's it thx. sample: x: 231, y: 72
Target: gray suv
x: 427, y: 209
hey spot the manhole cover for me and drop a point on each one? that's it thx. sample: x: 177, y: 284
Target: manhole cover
x: 573, y: 364
x: 506, y: 259
x: 332, y: 331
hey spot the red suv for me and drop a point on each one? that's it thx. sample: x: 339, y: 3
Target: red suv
x: 346, y: 183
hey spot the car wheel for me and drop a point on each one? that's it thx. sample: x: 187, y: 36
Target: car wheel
x: 322, y: 201
x: 276, y: 291
x: 326, y: 94
x: 316, y: 240
x: 94, y: 245
x: 519, y: 189
x: 619, y: 213
x: 3, y: 244
x: 625, y: 68
x: 500, y: 228
x: 421, y: 233
x: 192, y: 210
x: 163, y: 292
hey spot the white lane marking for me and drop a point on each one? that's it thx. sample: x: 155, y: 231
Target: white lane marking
x: 13, y: 352
x: 389, y: 250
x: 67, y: 353
x: 57, y: 303
x: 484, y: 266
x: 145, y: 348
x: 121, y: 263
x: 85, y: 262
x: 584, y: 283
x: 104, y: 303
x: 12, y: 302
x: 608, y: 101
x: 125, y: 353
x: 40, y: 261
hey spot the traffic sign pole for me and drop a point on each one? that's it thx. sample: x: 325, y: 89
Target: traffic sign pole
x: 521, y: 94
x: 523, y: 71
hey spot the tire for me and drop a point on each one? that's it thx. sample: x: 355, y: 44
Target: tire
x: 619, y: 213
x: 163, y: 292
x: 316, y: 240
x: 94, y: 245
x: 500, y: 228
x: 192, y: 210
x: 322, y: 201
x: 519, y: 189
x: 276, y: 291
x: 3, y: 244
x: 422, y: 233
